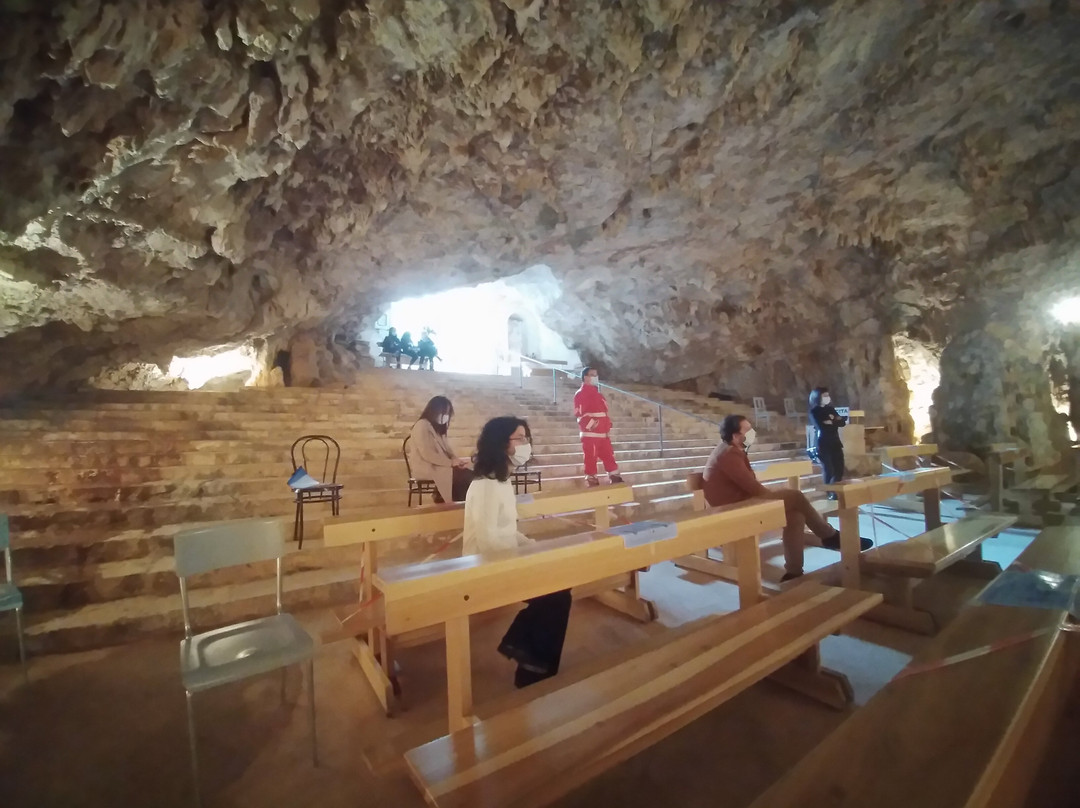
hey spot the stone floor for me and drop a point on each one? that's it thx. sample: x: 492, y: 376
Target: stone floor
x: 107, y: 728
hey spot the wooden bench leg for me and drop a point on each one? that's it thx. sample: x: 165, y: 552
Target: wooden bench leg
x: 806, y: 675
x: 746, y: 556
x: 977, y: 568
x: 378, y: 674
x: 628, y: 600
x: 899, y: 608
x: 703, y: 563
x: 850, y: 575
x: 932, y: 507
x: 458, y: 674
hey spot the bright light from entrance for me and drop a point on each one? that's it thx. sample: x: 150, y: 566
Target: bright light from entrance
x: 1067, y: 311
x: 921, y: 370
x: 198, y: 370
x: 483, y: 329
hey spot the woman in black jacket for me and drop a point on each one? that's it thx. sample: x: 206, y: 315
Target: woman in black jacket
x: 829, y: 448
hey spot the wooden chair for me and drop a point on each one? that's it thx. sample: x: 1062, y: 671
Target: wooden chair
x: 416, y: 487
x: 327, y: 490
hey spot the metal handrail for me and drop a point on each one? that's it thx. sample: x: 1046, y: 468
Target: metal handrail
x: 660, y: 406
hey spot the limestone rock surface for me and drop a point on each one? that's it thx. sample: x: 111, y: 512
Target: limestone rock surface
x: 757, y: 191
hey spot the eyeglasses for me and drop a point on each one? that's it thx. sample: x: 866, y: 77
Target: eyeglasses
x: 521, y: 439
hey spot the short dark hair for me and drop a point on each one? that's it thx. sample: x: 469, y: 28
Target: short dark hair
x: 491, y: 458
x: 815, y: 396
x: 436, y: 407
x: 585, y: 371
x: 730, y: 427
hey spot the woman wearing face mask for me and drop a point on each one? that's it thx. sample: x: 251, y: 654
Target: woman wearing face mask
x: 829, y: 448
x: 430, y: 454
x: 535, y: 639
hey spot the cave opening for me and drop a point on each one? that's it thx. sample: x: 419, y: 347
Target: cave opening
x: 483, y: 329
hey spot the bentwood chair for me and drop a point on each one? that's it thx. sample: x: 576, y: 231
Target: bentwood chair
x: 416, y: 487
x: 328, y: 489
x: 241, y: 650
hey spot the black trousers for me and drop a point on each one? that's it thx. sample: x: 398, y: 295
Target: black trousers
x: 540, y: 628
x: 831, y: 456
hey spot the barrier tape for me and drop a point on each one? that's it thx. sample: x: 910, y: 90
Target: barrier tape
x: 974, y: 653
x: 442, y: 547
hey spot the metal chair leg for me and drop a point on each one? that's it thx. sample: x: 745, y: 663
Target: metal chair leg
x: 22, y: 645
x: 194, y: 749
x: 311, y: 711
x: 300, y: 514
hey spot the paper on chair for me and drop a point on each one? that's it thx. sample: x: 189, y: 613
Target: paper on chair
x: 301, y: 479
x: 647, y: 532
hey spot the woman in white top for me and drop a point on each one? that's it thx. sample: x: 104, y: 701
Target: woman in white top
x: 430, y: 454
x: 535, y: 638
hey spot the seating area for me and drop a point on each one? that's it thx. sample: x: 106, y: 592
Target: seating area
x: 388, y: 572
x: 95, y: 504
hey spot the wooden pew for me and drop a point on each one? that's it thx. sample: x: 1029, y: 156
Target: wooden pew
x: 725, y: 568
x: 890, y: 454
x: 895, y: 568
x: 539, y: 751
x: 971, y: 734
x: 416, y: 596
x: 374, y: 648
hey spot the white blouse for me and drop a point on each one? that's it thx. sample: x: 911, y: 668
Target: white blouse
x: 491, y: 518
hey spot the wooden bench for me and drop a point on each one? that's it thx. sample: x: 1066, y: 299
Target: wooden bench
x: 539, y: 751
x: 895, y: 568
x: 374, y: 648
x: 966, y: 735
x: 723, y: 567
x: 890, y: 454
x: 417, y: 596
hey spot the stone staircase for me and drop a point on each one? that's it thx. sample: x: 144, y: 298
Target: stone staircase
x: 97, y: 484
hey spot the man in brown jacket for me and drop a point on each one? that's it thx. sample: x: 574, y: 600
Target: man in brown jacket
x: 729, y: 479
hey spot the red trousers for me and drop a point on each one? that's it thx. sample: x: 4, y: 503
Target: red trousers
x: 598, y: 448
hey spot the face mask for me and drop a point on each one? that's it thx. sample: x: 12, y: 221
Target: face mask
x: 749, y: 438
x: 521, y: 454
x: 444, y: 419
x: 593, y: 380
x: 826, y: 400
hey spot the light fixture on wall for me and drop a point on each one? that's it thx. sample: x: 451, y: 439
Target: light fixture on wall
x: 1067, y: 311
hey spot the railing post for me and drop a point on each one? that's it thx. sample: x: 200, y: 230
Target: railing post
x: 554, y: 388
x: 660, y: 420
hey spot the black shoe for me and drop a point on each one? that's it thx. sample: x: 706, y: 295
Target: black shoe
x: 833, y: 543
x: 831, y: 495
x: 615, y: 478
x: 523, y: 658
x: 523, y: 677
x: 790, y: 576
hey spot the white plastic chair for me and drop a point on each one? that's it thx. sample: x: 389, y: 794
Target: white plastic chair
x: 11, y: 598
x: 761, y: 415
x: 242, y: 650
x: 791, y: 412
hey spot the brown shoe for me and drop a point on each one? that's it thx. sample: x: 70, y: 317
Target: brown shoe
x: 591, y: 481
x: 615, y: 478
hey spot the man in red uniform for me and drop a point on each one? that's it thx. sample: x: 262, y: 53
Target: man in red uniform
x: 590, y: 409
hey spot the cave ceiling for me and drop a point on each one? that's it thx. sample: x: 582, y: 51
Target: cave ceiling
x: 752, y: 174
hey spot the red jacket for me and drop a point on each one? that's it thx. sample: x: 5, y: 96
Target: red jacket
x: 590, y: 409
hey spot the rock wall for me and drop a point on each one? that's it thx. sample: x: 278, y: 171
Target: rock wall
x: 711, y: 183
x: 995, y: 388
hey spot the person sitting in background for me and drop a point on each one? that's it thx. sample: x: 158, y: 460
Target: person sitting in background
x: 535, y: 639
x: 728, y: 478
x: 406, y: 348
x: 430, y: 454
x: 427, y: 351
x: 830, y: 450
x: 391, y: 346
